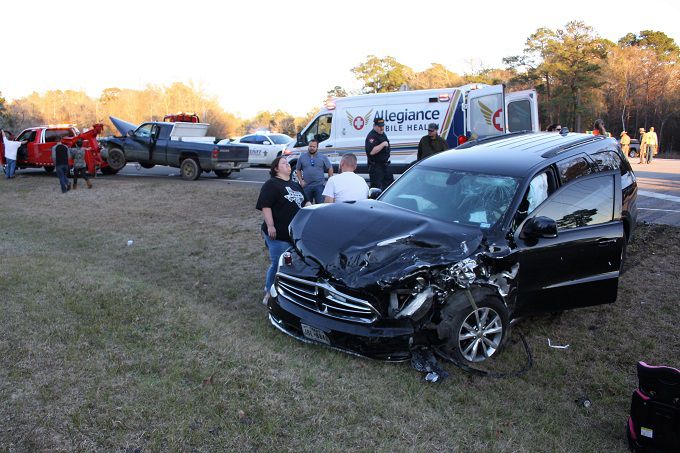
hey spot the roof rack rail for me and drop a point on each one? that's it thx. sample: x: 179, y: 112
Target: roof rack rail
x: 562, y: 148
x: 491, y: 138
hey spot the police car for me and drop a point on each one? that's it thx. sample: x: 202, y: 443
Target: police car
x: 263, y: 146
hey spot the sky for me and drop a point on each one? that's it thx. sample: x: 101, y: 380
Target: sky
x: 270, y: 55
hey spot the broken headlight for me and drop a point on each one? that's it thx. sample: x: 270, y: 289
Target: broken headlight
x: 418, y: 305
x: 463, y: 272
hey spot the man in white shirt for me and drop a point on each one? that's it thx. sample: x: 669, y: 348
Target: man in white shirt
x: 347, y: 186
x: 11, y: 148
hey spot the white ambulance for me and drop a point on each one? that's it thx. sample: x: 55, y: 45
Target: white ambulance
x: 464, y: 113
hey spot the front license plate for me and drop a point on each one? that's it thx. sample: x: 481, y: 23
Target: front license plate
x: 315, y: 334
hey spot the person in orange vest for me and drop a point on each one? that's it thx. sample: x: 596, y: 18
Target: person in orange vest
x: 598, y: 128
x: 652, y: 144
x: 643, y: 146
x: 625, y: 143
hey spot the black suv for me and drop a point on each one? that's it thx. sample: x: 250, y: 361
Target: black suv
x: 460, y: 245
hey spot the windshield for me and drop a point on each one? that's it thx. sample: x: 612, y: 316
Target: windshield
x: 453, y: 196
x: 280, y: 139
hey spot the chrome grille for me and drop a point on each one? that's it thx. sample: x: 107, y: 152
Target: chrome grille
x: 323, y: 298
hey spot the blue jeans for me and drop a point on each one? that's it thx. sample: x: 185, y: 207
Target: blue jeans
x: 62, y: 171
x: 10, y: 167
x: 314, y: 193
x: 276, y: 249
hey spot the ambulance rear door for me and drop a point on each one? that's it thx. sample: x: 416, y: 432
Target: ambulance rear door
x: 485, y: 115
x: 521, y: 109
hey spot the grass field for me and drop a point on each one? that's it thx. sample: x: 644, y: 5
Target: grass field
x: 164, y: 346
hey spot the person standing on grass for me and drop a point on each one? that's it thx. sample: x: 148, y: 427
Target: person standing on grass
x: 346, y: 186
x: 11, y: 148
x: 310, y: 170
x: 79, y: 165
x: 280, y: 199
x: 60, y: 155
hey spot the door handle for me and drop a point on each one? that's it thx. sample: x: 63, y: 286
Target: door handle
x: 603, y: 242
x: 329, y: 146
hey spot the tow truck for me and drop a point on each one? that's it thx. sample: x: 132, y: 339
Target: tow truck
x: 38, y: 151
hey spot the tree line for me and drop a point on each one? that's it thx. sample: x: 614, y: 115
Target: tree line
x: 578, y: 75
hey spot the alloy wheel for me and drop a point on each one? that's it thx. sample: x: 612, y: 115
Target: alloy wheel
x: 480, y: 334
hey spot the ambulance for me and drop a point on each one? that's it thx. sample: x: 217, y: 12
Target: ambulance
x: 465, y: 113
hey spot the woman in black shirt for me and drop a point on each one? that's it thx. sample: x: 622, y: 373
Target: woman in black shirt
x: 280, y: 199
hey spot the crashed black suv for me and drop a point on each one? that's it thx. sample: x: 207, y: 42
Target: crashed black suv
x: 459, y: 246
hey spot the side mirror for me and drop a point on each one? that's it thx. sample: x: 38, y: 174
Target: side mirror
x: 266, y: 142
x: 539, y: 227
x: 374, y: 193
x: 130, y: 133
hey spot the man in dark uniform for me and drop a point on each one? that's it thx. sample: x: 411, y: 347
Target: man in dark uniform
x: 378, y: 156
x: 432, y: 143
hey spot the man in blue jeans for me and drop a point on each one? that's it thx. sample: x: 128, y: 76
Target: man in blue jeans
x: 60, y: 154
x: 11, y: 148
x: 310, y: 170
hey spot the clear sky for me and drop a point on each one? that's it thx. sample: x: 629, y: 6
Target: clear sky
x: 268, y: 55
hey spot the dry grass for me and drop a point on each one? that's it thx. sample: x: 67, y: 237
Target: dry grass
x: 164, y: 345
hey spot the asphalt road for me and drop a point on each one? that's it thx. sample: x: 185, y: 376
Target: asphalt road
x: 658, y: 184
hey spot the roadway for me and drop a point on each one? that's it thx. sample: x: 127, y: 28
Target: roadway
x: 658, y: 185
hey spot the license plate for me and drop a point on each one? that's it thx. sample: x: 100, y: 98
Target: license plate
x: 315, y: 334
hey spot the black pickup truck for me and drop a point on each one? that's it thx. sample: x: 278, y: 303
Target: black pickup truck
x: 179, y: 145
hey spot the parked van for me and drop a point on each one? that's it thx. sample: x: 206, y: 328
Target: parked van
x: 464, y: 113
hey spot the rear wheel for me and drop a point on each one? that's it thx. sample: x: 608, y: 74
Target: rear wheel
x: 222, y: 173
x: 116, y: 159
x: 48, y: 169
x: 189, y: 169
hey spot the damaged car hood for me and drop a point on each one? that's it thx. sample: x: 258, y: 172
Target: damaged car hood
x: 370, y: 242
x: 123, y: 126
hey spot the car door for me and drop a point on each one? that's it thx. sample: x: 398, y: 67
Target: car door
x: 580, y: 265
x: 253, y: 149
x: 138, y: 143
x: 30, y: 148
x: 51, y: 136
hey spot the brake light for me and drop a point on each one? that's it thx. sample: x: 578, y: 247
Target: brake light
x: 215, y: 152
x: 462, y: 139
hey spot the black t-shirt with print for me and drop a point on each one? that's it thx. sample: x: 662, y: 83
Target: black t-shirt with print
x: 285, y: 198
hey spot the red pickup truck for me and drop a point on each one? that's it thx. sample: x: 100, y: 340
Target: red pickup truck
x: 38, y: 151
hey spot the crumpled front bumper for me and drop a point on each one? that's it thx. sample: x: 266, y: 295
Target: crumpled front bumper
x: 382, y: 340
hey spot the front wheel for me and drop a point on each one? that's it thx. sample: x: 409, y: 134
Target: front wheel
x: 632, y: 154
x: 189, y: 169
x: 476, y: 335
x: 223, y: 173
x: 116, y: 159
